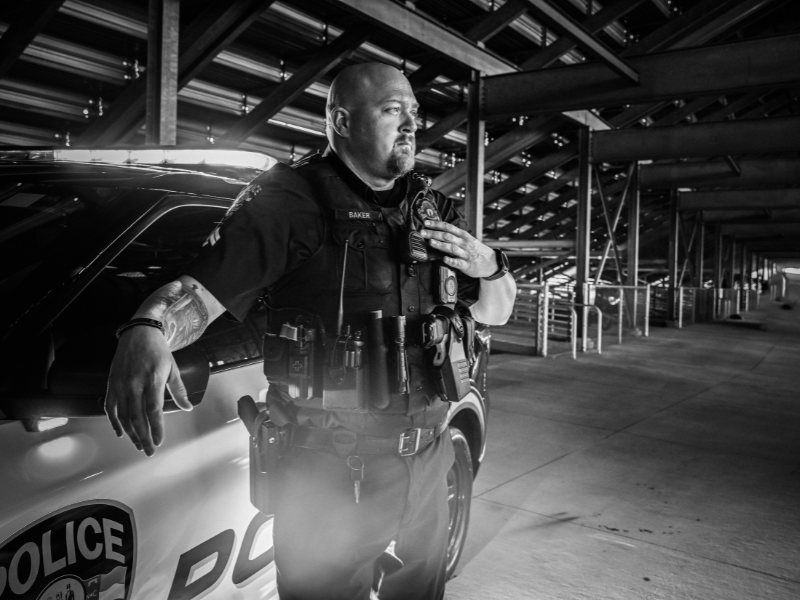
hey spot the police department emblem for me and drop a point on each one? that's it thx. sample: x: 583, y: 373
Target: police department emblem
x: 86, y: 551
x: 426, y: 209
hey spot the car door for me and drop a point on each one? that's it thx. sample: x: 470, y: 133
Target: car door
x: 82, y: 513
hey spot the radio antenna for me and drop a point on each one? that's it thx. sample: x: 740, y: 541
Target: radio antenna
x: 340, y: 313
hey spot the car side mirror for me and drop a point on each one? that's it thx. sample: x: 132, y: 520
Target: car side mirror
x: 78, y: 377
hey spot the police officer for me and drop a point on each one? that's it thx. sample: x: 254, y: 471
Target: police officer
x: 291, y: 238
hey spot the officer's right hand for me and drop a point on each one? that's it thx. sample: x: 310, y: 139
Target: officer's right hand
x: 143, y: 365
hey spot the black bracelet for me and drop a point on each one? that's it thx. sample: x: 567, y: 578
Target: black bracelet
x: 140, y: 321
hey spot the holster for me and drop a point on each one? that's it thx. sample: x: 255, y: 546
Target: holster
x: 444, y: 339
x: 268, y: 445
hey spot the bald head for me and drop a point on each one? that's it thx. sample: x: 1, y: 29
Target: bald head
x: 358, y: 84
x: 370, y: 118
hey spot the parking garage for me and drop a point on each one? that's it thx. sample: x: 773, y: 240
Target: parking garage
x: 636, y: 161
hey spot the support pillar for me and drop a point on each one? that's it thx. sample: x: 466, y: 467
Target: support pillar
x: 672, y: 258
x: 633, y: 227
x: 732, y: 264
x: 718, y: 257
x: 584, y: 222
x: 476, y: 128
x: 700, y: 243
x: 161, y: 121
x: 583, y: 235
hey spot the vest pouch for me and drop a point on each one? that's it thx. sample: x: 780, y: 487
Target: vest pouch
x: 369, y: 261
x: 291, y: 362
x: 344, y: 379
x: 276, y: 357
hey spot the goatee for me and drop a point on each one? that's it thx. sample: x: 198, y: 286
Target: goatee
x: 401, y: 160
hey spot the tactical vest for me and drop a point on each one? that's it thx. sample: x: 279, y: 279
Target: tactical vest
x: 374, y: 279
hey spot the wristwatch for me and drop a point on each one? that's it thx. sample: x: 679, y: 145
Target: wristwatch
x: 502, y: 260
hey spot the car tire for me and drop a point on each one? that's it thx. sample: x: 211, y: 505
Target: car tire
x: 459, y: 499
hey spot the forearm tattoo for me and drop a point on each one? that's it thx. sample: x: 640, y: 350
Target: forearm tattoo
x: 183, y: 313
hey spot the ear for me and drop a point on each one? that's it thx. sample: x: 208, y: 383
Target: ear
x: 340, y: 121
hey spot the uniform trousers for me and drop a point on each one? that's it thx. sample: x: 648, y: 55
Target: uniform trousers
x: 327, y: 545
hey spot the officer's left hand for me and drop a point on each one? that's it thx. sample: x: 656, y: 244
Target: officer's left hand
x: 462, y: 251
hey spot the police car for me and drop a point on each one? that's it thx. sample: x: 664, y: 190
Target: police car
x: 85, y: 236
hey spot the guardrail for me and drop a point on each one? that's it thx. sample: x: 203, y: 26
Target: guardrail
x: 531, y: 310
x: 585, y: 329
x: 727, y: 301
x: 777, y: 286
x: 628, y: 305
x: 695, y: 305
x: 749, y: 298
x: 545, y: 315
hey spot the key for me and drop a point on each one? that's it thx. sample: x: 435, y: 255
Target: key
x: 356, y: 474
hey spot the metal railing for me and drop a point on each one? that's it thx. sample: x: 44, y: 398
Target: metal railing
x: 545, y: 316
x: 659, y: 304
x: 749, y: 298
x: 585, y: 308
x: 695, y: 305
x: 531, y: 310
x: 777, y: 286
x: 625, y: 305
x: 727, y: 301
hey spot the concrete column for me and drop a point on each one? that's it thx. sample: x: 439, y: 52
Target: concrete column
x: 476, y: 132
x: 161, y: 121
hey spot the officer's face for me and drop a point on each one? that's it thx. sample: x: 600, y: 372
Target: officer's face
x: 383, y: 127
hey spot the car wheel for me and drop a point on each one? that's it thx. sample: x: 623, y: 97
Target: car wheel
x: 459, y: 498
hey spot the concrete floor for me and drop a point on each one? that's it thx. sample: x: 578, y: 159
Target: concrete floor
x: 666, y: 469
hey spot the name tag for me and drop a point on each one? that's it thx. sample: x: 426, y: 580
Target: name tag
x: 344, y: 214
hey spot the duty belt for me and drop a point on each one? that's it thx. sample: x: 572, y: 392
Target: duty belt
x: 346, y: 442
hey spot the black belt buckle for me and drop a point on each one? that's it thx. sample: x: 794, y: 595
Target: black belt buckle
x: 409, y: 442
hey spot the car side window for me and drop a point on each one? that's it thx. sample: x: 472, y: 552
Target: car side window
x: 156, y: 257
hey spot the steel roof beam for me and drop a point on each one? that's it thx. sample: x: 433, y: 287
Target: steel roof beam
x: 211, y: 32
x: 500, y: 151
x: 321, y: 63
x: 749, y: 136
x: 755, y: 173
x: 420, y: 30
x: 537, y: 169
x: 738, y: 67
x: 765, y: 230
x: 581, y: 36
x: 496, y: 21
x: 722, y: 23
x: 529, y: 198
x: 488, y: 27
x: 593, y: 24
x: 31, y: 20
x: 687, y: 110
x: 740, y: 199
x: 681, y: 26
x: 441, y: 128
x: 671, y: 37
